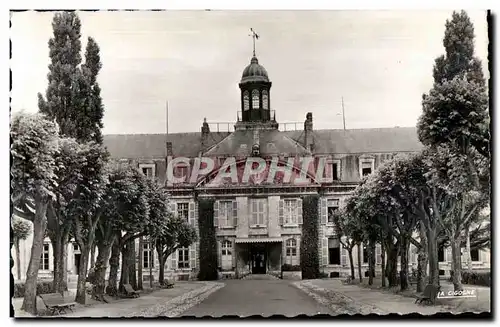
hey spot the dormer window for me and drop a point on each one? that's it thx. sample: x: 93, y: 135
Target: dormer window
x: 147, y: 169
x: 366, y: 166
x: 265, y: 100
x: 246, y: 101
x: 255, y: 99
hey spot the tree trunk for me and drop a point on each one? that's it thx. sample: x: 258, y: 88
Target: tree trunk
x: 59, y: 240
x: 382, y: 258
x: 132, y: 265
x: 141, y: 263
x: 456, y: 264
x: 351, y: 262
x: 92, y: 256
x: 161, y: 259
x: 114, y: 263
x: 467, y: 249
x: 151, y: 261
x: 124, y: 276
x: 422, y: 260
x: 82, y: 275
x: 371, y: 268
x: 433, y: 256
x: 39, y: 226
x: 403, y: 274
x: 100, y: 266
x: 392, y: 263
x: 359, y: 263
x: 18, y: 259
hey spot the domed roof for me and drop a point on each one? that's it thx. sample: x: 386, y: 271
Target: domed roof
x: 254, y: 72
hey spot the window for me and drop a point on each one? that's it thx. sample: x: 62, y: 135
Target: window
x: 183, y: 210
x: 246, y: 101
x: 227, y: 255
x: 225, y: 218
x: 265, y: 100
x: 291, y: 251
x: 147, y: 255
x: 441, y: 254
x: 334, y: 251
x: 333, y: 207
x: 335, y: 173
x: 290, y: 212
x: 255, y: 99
x: 147, y: 170
x: 366, y: 166
x: 474, y: 255
x: 183, y: 258
x: 258, y: 212
x: 365, y: 254
x: 44, y: 260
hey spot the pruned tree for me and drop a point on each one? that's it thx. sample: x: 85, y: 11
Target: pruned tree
x: 33, y: 179
x: 21, y: 229
x: 349, y: 232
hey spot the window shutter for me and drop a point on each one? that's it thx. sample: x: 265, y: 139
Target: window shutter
x: 325, y: 251
x: 191, y: 217
x: 299, y: 211
x: 447, y: 254
x: 281, y: 205
x: 174, y: 259
x: 219, y: 254
x: 235, y: 213
x: 192, y: 256
x: 378, y: 251
x: 343, y: 255
x: 323, y: 211
x: 233, y: 253
x: 283, y: 254
x: 216, y: 213
x: 173, y: 208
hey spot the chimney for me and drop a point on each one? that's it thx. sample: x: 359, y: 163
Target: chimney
x: 308, y: 128
x: 169, y: 149
x: 205, y: 130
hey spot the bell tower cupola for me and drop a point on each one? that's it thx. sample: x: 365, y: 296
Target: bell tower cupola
x: 255, y: 91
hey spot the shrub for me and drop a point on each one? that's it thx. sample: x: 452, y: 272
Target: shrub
x: 42, y: 287
x: 476, y: 278
x: 309, y: 260
x: 208, y: 241
x: 288, y: 267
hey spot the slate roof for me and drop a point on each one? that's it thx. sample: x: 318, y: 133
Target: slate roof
x: 149, y: 146
x: 271, y: 142
x: 394, y: 139
x: 398, y: 139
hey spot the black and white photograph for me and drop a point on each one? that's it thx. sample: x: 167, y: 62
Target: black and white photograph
x: 250, y: 163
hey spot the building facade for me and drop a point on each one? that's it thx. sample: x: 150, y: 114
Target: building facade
x: 258, y: 175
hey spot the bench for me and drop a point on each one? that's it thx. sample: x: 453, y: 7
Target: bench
x: 168, y: 283
x: 129, y: 291
x: 57, y: 303
x: 429, y: 295
x: 347, y: 281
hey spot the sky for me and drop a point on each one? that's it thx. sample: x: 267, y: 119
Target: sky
x: 379, y: 62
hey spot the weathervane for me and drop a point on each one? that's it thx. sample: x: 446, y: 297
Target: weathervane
x: 254, y: 36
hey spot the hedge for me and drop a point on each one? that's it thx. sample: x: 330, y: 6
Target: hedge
x: 208, y: 241
x: 42, y: 287
x: 476, y: 278
x: 309, y: 257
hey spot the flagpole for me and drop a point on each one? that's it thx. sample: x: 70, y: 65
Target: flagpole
x: 343, y: 112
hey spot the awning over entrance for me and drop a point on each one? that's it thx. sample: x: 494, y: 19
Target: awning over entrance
x: 259, y: 240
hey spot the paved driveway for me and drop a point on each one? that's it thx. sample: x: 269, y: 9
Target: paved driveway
x: 257, y: 297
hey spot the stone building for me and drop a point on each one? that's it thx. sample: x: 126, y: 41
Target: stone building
x: 258, y: 218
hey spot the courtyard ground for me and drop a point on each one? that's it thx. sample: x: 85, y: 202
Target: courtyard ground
x: 164, y: 302
x: 351, y: 299
x: 264, y: 297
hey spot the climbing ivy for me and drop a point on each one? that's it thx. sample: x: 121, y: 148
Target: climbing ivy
x: 309, y: 255
x: 208, y: 242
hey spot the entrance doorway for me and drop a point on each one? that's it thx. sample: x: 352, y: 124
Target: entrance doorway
x: 258, y: 260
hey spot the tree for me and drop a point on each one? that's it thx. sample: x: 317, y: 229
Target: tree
x: 177, y: 234
x: 348, y: 226
x: 33, y: 172
x: 21, y: 230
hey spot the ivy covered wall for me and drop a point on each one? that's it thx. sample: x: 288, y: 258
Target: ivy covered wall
x: 309, y: 256
x: 208, y: 241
